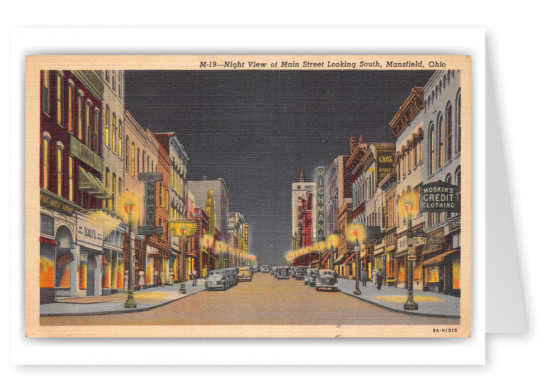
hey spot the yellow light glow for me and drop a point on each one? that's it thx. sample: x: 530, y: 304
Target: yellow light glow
x: 409, y: 203
x: 207, y: 241
x: 221, y: 247
x: 319, y: 246
x: 332, y: 240
x: 355, y: 232
x: 125, y: 198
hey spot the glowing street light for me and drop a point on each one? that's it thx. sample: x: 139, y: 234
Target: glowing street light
x: 331, y: 242
x: 130, y: 302
x: 206, y: 243
x: 409, y: 205
x: 320, y: 246
x: 355, y: 233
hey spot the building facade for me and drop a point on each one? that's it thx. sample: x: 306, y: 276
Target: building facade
x: 221, y: 197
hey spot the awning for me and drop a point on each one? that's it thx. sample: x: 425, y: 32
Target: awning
x: 91, y: 185
x: 349, y: 259
x: 439, y: 258
x: 339, y: 260
x: 325, y: 258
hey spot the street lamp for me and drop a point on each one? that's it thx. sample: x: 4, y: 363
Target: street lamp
x: 207, y: 244
x: 220, y: 248
x: 331, y: 241
x: 130, y: 302
x: 320, y: 246
x: 409, y: 206
x: 182, y: 290
x: 355, y: 234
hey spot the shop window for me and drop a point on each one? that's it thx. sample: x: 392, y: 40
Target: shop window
x: 46, y: 92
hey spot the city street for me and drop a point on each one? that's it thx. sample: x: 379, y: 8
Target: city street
x: 264, y: 301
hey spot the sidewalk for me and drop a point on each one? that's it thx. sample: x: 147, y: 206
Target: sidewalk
x: 114, y: 304
x: 430, y: 303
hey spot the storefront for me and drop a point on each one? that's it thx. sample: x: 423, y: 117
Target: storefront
x: 88, y: 253
x: 113, y: 269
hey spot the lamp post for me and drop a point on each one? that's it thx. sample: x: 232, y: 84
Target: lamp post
x: 130, y: 302
x: 331, y: 241
x: 410, y: 304
x: 319, y: 247
x: 182, y: 271
x: 207, y: 244
x: 355, y: 234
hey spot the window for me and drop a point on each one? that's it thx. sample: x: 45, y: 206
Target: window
x: 148, y: 164
x: 431, y: 149
x: 409, y: 160
x: 114, y: 192
x: 415, y: 152
x: 420, y: 151
x: 126, y: 153
x: 71, y: 180
x: 106, y: 184
x: 119, y: 144
x: 46, y: 92
x: 132, y: 160
x: 59, y: 98
x: 79, y: 114
x: 143, y: 160
x: 45, y: 161
x: 120, y: 186
x: 95, y: 135
x: 59, y: 169
x: 88, y: 123
x: 106, y: 124
x: 113, y: 79
x: 113, y: 131
x: 441, y: 141
x: 398, y: 166
x: 458, y: 122
x: 69, y: 106
x: 138, y: 160
x: 448, y: 132
x: 107, y: 76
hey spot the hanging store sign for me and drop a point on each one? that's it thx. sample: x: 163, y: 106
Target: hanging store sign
x: 246, y: 237
x: 385, y: 163
x: 150, y: 228
x: 182, y: 227
x: 89, y: 234
x: 85, y: 154
x: 320, y: 207
x: 439, y: 197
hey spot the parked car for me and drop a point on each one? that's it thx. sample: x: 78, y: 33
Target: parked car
x: 256, y: 269
x: 311, y: 275
x: 282, y: 273
x: 300, y: 272
x: 244, y: 274
x: 326, y: 279
x: 292, y: 271
x: 233, y: 275
x: 218, y: 279
x: 265, y: 269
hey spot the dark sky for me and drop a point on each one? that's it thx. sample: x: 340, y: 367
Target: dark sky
x: 257, y: 129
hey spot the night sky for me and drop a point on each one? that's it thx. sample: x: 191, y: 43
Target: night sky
x: 257, y: 129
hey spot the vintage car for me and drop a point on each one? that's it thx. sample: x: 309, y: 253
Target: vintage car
x: 300, y: 272
x: 282, y: 273
x: 233, y: 275
x: 218, y: 279
x: 292, y: 271
x: 265, y: 269
x: 311, y: 275
x: 326, y: 279
x: 244, y: 274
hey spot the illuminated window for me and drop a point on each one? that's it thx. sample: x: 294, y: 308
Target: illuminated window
x: 88, y: 122
x: 79, y: 114
x: 59, y: 169
x: 70, y: 89
x: 106, y: 124
x: 45, y: 161
x: 59, y: 99
x: 46, y: 92
x: 119, y: 139
x: 126, y: 153
x: 114, y: 192
x: 113, y: 131
x: 71, y: 180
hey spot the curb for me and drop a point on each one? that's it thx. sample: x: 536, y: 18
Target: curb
x: 128, y: 311
x: 402, y: 311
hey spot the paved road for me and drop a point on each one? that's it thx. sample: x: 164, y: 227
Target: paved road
x: 264, y: 301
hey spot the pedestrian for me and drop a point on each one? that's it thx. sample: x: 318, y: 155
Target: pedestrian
x: 141, y: 281
x: 374, y: 277
x: 364, y: 277
x: 194, y: 276
x: 379, y: 279
x: 162, y: 279
x: 171, y: 278
x: 125, y: 283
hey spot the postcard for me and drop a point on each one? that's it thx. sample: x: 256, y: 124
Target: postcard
x: 248, y: 196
